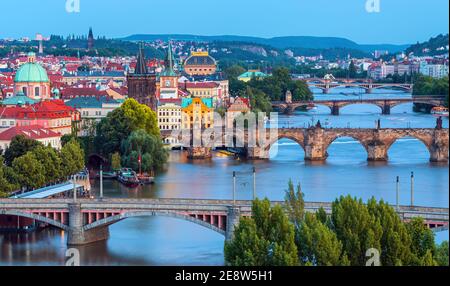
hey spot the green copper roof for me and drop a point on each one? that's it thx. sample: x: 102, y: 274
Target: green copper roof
x: 18, y: 99
x: 169, y: 62
x: 251, y: 74
x: 31, y: 72
x: 185, y: 102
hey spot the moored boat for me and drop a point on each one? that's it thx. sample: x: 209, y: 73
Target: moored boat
x: 128, y: 177
x: 439, y: 111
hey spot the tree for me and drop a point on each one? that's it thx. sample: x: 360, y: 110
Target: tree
x: 318, y: 245
x: 72, y: 157
x: 422, y: 242
x: 121, y: 122
x: 115, y: 161
x: 148, y: 146
x: 352, y: 70
x: 259, y: 101
x: 265, y: 239
x: 395, y: 241
x: 295, y: 204
x: 234, y: 71
x: 442, y: 254
x: 7, y: 180
x: 50, y: 161
x: 30, y: 172
x: 356, y: 228
x: 19, y: 146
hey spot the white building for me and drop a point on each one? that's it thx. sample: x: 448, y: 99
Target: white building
x: 433, y: 70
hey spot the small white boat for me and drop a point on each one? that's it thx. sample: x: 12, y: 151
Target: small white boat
x: 440, y: 111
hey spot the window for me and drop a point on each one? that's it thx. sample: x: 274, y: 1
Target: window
x: 24, y: 89
x: 36, y: 91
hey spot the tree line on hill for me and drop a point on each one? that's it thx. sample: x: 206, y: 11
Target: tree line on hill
x: 289, y: 236
x: 426, y: 85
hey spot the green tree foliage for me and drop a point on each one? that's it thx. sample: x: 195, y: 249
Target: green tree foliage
x: 422, y: 242
x: 318, y: 245
x: 295, y: 204
x: 259, y: 101
x: 72, y: 157
x: 7, y: 179
x: 234, y: 71
x: 19, y: 146
x: 356, y: 228
x: 395, y: 241
x: 50, y: 161
x: 425, y: 85
x: 442, y: 254
x: 121, y: 122
x: 352, y: 70
x: 265, y: 239
x: 30, y: 172
x: 154, y: 156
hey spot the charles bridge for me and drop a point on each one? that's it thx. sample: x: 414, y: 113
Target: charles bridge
x: 315, y: 141
x: 87, y: 220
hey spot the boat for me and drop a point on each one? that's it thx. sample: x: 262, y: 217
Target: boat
x: 108, y: 175
x: 145, y: 179
x: 128, y: 177
x: 439, y: 111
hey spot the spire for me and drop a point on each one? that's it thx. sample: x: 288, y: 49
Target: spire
x: 141, y: 66
x: 169, y: 61
x: 91, y: 35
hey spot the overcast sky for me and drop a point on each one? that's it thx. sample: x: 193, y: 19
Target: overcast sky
x: 397, y: 21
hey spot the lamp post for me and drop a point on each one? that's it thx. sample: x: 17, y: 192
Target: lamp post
x: 101, y: 182
x: 254, y: 183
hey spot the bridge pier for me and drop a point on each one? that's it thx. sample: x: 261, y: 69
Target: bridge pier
x: 377, y: 151
x: 440, y: 147
x: 386, y: 110
x: 315, y: 147
x: 257, y: 153
x: 335, y: 110
x: 76, y: 234
x: 233, y: 216
x: 326, y: 90
x: 199, y: 152
x: 369, y: 90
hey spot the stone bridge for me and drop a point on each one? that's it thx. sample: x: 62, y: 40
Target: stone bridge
x: 326, y: 84
x: 335, y: 105
x: 316, y: 140
x: 87, y: 221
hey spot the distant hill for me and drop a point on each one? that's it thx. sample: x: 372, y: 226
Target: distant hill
x: 306, y: 42
x: 434, y: 46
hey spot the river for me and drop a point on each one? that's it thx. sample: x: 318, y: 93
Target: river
x: 169, y: 241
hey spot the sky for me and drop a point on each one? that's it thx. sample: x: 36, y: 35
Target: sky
x: 392, y: 21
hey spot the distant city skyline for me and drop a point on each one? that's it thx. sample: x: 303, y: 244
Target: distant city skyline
x: 397, y: 22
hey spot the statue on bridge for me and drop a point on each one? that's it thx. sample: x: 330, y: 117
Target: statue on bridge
x: 439, y: 123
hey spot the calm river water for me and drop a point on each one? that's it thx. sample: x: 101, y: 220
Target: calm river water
x: 168, y: 241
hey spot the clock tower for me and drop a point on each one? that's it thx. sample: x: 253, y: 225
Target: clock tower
x: 168, y: 79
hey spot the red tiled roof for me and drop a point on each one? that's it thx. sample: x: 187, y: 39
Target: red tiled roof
x: 207, y: 84
x: 72, y: 92
x: 31, y: 131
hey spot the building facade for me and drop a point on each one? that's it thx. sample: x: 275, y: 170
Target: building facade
x: 200, y: 63
x: 32, y: 80
x: 197, y: 113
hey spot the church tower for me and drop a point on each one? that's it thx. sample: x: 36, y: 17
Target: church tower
x: 90, y: 44
x: 168, y: 79
x: 142, y: 83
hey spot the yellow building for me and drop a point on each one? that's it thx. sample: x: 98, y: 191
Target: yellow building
x: 200, y: 63
x: 197, y: 113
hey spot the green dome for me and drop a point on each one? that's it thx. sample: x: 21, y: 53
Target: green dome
x: 31, y: 72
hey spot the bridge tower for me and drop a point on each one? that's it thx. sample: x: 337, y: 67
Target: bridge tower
x: 315, y: 145
x: 440, y: 147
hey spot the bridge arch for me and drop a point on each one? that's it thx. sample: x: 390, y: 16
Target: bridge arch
x: 297, y: 140
x: 116, y: 218
x: 425, y: 141
x: 379, y: 105
x: 332, y: 139
x: 37, y: 217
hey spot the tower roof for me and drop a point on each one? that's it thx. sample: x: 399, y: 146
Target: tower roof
x: 169, y: 62
x: 141, y: 65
